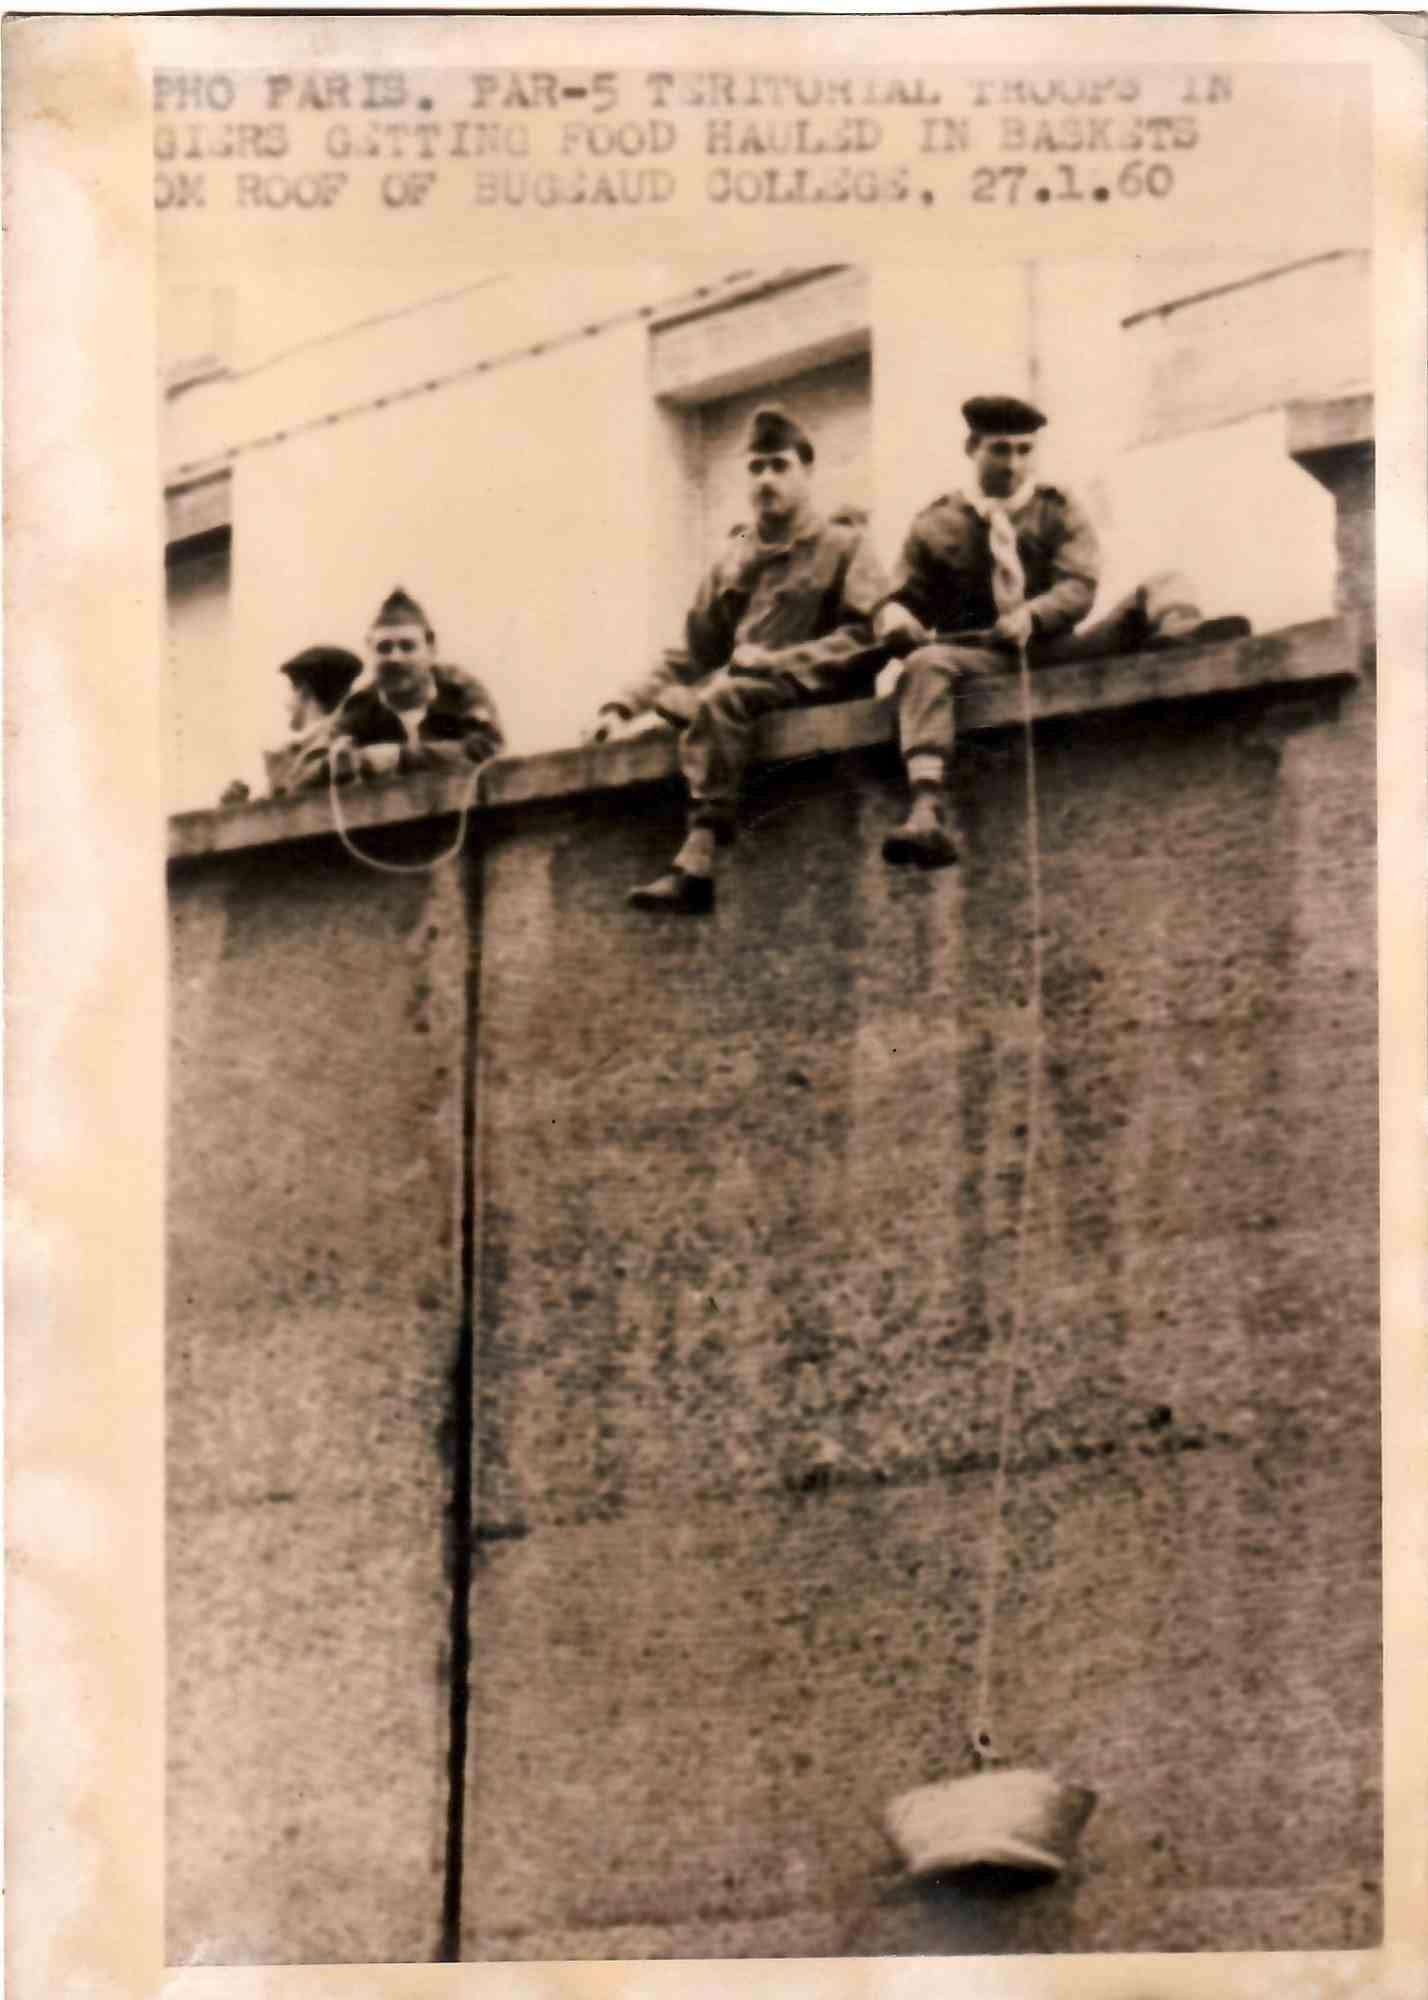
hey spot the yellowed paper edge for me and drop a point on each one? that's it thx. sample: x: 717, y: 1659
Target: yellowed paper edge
x: 85, y: 1018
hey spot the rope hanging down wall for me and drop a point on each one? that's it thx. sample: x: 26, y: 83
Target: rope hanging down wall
x: 983, y: 1737
x: 1023, y: 1820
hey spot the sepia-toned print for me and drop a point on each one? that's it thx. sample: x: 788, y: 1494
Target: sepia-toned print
x: 772, y: 1249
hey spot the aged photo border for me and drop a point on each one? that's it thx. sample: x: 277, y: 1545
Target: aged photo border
x: 85, y: 1023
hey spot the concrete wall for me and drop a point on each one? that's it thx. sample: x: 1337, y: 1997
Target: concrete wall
x: 744, y: 1199
x: 314, y: 1321
x: 749, y: 1195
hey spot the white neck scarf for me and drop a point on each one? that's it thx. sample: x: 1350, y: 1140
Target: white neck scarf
x: 1008, y: 576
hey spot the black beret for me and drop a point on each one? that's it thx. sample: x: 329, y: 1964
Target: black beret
x: 1002, y: 416
x: 325, y: 671
x: 399, y: 609
x: 773, y: 429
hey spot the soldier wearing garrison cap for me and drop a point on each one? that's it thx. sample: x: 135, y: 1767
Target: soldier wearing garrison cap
x: 411, y: 710
x: 783, y: 619
x: 1002, y: 562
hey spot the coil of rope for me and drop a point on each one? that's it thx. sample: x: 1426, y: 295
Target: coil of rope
x: 343, y: 747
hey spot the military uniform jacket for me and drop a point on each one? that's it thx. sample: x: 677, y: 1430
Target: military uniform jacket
x: 944, y: 576
x: 809, y: 601
x: 461, y: 712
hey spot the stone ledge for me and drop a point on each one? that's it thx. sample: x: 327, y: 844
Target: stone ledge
x: 1327, y: 650
x: 1328, y: 423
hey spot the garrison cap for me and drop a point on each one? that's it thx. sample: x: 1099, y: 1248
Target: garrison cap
x: 1002, y: 416
x: 773, y: 429
x: 326, y: 672
x: 399, y: 609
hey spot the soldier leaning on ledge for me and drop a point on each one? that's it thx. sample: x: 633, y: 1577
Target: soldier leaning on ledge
x: 781, y: 621
x: 411, y: 711
x: 318, y: 679
x: 1005, y: 561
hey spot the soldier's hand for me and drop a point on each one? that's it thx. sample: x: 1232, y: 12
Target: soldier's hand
x: 606, y: 724
x: 311, y: 766
x: 750, y: 659
x: 900, y: 630
x: 379, y: 760
x: 1016, y: 626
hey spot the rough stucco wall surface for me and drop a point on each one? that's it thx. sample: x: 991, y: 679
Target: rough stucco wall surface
x: 748, y: 1193
x: 314, y: 1314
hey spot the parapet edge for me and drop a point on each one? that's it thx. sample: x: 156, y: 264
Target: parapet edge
x: 1324, y: 650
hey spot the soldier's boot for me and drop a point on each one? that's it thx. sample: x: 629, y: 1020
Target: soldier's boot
x: 675, y: 894
x: 925, y: 836
x: 688, y: 888
x: 1179, y: 632
x: 1219, y: 631
x: 1171, y: 609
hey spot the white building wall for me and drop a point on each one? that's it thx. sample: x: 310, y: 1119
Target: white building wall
x: 513, y: 506
x: 939, y: 336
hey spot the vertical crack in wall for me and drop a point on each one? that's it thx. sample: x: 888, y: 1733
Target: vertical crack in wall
x: 461, y: 1418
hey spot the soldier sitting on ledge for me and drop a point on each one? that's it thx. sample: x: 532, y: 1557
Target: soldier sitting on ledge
x: 781, y: 621
x: 1004, y: 562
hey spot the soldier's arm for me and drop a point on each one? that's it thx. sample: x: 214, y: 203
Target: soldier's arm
x: 480, y: 726
x: 297, y: 765
x: 1076, y: 570
x: 485, y: 723
x: 911, y: 582
x: 644, y: 693
x: 712, y: 626
x: 351, y: 743
x: 709, y: 631
x: 353, y: 721
x: 303, y: 760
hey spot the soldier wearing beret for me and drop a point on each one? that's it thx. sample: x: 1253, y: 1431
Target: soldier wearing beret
x: 1004, y: 561
x: 318, y: 678
x: 783, y: 619
x: 410, y: 710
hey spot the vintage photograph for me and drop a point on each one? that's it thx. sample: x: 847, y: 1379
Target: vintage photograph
x: 773, y: 1295
x: 771, y: 1329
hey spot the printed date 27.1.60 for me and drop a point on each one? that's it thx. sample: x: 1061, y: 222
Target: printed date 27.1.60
x: 1062, y: 182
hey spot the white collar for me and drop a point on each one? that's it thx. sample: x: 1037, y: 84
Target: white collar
x: 983, y: 504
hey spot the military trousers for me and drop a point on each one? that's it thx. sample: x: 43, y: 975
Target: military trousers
x: 718, y: 739
x: 926, y: 689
